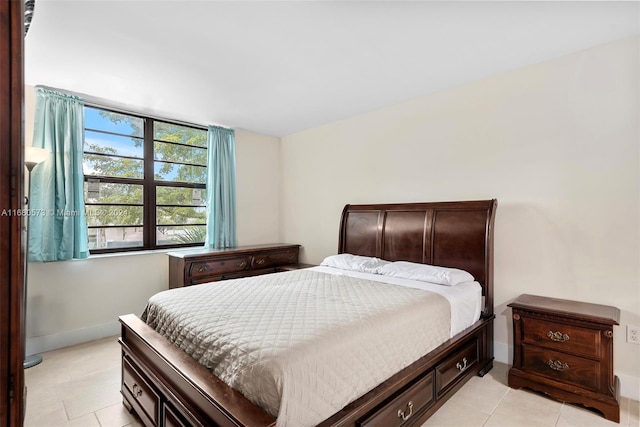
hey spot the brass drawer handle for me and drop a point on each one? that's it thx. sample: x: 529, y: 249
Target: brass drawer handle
x: 242, y: 264
x: 203, y: 269
x: 557, y: 365
x: 463, y: 366
x: 401, y: 412
x: 557, y: 336
x: 290, y: 258
x: 260, y: 261
x: 137, y: 393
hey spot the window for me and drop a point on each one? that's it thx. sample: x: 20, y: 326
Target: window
x: 144, y: 182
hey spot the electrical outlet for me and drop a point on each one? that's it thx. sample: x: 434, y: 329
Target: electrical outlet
x: 633, y: 334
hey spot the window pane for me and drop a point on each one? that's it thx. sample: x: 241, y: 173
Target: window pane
x: 108, y: 121
x: 115, y: 161
x: 104, y: 143
x: 181, y: 134
x: 180, y: 173
x: 97, y: 164
x: 180, y: 153
x: 108, y: 192
x: 180, y: 234
x: 114, y: 215
x: 182, y: 215
x: 117, y: 237
x: 181, y: 196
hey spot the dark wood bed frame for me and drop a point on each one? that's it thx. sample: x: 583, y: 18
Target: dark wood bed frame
x: 166, y: 387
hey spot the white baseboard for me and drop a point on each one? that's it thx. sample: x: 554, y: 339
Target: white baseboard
x: 629, y: 385
x: 44, y: 343
x: 501, y: 353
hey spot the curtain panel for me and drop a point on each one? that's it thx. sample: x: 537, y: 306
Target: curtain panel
x: 221, y: 188
x: 59, y: 230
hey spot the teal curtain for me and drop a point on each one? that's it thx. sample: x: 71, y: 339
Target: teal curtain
x: 57, y: 222
x: 221, y: 188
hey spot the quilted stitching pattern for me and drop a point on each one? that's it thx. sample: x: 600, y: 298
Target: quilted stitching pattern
x: 301, y: 344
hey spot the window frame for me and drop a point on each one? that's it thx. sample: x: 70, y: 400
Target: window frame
x: 148, y: 182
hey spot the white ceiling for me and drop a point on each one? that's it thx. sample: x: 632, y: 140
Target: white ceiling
x: 280, y: 67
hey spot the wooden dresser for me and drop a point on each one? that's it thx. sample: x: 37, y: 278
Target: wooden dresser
x: 565, y: 349
x: 195, y: 266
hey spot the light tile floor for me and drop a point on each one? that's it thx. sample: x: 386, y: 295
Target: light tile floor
x: 79, y: 386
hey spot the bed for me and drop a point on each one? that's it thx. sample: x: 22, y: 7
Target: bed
x: 167, y: 387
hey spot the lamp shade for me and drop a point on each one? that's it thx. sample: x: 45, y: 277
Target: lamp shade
x: 34, y: 155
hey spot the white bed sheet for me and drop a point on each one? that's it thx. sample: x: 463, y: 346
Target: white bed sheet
x: 465, y: 298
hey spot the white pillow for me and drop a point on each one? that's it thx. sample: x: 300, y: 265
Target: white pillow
x: 355, y: 263
x: 426, y: 273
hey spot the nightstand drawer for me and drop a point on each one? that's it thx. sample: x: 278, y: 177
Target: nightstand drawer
x: 404, y: 406
x: 561, y: 337
x: 274, y: 259
x: 560, y: 366
x: 202, y: 269
x: 456, y: 366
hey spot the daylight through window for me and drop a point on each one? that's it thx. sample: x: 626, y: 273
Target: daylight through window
x: 144, y: 182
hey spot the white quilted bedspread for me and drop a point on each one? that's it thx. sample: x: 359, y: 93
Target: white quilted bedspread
x: 301, y: 344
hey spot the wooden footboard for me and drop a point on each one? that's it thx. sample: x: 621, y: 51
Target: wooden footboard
x: 166, y: 387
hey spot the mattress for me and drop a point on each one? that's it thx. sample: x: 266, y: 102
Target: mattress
x: 465, y: 298
x: 303, y: 344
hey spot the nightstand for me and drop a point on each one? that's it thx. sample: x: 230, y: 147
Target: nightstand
x: 565, y: 349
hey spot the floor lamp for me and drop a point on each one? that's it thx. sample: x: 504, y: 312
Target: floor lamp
x: 32, y: 156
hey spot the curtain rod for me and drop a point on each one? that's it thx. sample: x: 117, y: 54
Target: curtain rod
x: 92, y: 101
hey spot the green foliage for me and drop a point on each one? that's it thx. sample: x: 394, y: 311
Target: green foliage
x: 180, y: 144
x: 192, y: 235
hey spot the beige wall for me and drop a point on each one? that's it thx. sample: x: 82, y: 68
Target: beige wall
x: 556, y: 144
x: 80, y: 300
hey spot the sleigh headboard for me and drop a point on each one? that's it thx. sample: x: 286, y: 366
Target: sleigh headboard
x: 448, y: 234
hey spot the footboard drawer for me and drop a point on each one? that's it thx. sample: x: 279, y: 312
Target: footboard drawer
x: 172, y: 417
x: 404, y: 406
x: 140, y: 393
x: 455, y: 366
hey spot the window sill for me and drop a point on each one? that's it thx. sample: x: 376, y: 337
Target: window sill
x: 133, y: 253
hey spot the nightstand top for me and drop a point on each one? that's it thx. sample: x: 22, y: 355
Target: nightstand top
x: 566, y: 308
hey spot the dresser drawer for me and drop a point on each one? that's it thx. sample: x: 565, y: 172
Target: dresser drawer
x: 562, y: 367
x: 140, y: 392
x: 402, y: 408
x: 561, y: 337
x: 216, y: 267
x: 274, y: 259
x: 455, y: 366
